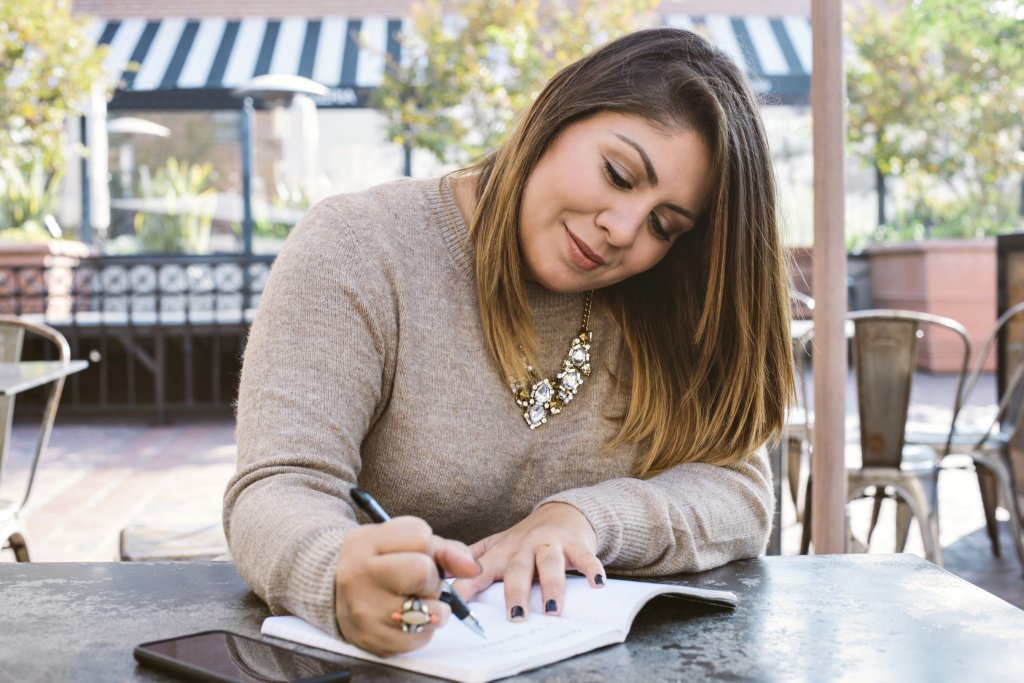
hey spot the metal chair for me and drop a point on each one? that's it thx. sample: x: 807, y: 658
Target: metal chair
x: 799, y: 418
x: 884, y: 353
x: 988, y: 448
x: 12, y: 334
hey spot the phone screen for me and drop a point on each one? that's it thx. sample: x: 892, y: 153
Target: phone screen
x: 225, y: 656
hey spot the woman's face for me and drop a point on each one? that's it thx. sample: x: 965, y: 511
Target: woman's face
x: 607, y: 200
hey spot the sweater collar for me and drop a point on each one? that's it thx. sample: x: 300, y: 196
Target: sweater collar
x: 454, y: 231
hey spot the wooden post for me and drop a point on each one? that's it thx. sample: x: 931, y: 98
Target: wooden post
x: 828, y: 95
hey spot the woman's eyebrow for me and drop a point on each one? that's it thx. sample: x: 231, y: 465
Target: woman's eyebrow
x: 652, y: 177
x: 682, y: 212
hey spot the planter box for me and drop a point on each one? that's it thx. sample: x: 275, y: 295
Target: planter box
x: 38, y: 278
x: 952, y: 278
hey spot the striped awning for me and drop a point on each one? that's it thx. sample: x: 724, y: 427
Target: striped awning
x: 176, y: 63
x: 195, y: 63
x: 775, y: 50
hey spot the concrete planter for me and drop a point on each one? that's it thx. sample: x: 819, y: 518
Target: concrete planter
x: 38, y: 278
x: 952, y: 278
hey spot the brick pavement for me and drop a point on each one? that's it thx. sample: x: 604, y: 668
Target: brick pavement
x: 99, y: 476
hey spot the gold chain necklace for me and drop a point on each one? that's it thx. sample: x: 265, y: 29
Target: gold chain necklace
x: 548, y: 395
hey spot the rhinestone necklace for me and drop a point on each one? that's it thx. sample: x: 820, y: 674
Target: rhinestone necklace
x: 547, y: 395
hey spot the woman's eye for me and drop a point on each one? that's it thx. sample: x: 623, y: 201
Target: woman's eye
x: 615, y: 177
x: 658, y: 228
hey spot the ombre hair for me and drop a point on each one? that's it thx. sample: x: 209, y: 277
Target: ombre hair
x: 706, y: 330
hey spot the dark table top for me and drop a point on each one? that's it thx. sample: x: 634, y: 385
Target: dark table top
x: 820, y: 618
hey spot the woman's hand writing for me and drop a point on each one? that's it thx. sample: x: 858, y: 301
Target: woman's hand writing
x: 553, y: 538
x: 382, y: 565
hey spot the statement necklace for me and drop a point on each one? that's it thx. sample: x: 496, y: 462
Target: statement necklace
x: 547, y: 396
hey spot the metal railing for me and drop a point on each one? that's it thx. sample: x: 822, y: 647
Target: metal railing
x: 164, y: 333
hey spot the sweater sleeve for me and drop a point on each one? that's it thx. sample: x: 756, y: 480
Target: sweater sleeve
x: 689, y: 518
x: 316, y: 372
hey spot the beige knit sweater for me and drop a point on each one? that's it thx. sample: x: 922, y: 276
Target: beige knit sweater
x: 366, y: 363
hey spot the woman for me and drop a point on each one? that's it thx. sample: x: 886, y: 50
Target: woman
x: 569, y: 355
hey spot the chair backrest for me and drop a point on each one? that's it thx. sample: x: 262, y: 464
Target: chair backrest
x: 885, y: 346
x: 11, y: 340
x: 12, y: 337
x: 1006, y: 412
x: 1011, y: 402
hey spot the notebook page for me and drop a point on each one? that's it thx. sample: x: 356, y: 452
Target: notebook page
x: 613, y: 606
x: 458, y: 654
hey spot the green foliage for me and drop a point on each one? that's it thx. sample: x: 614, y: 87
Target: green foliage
x: 269, y: 230
x: 182, y: 223
x: 935, y: 95
x: 26, y: 201
x: 48, y: 67
x: 470, y: 66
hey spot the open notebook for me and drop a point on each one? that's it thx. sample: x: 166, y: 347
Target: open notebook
x: 592, y: 618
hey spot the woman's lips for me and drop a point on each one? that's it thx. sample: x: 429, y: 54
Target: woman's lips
x: 581, y: 254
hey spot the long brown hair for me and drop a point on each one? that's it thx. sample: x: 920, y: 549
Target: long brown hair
x: 707, y: 328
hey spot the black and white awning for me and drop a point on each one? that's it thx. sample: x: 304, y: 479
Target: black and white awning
x: 181, y: 63
x: 196, y: 63
x: 776, y: 51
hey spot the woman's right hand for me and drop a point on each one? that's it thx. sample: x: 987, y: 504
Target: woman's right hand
x: 379, y: 568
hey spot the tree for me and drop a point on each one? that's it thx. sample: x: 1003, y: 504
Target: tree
x: 48, y: 67
x: 935, y: 91
x: 470, y: 66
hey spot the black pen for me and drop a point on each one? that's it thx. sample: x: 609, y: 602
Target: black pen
x: 371, y: 507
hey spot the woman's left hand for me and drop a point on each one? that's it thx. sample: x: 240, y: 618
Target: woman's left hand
x: 553, y: 538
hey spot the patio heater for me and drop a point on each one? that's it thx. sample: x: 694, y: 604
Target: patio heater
x: 275, y: 90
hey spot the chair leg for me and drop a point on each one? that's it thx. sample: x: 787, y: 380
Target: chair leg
x: 19, y: 544
x: 998, y: 472
x: 805, y: 533
x: 930, y: 484
x: 913, y: 494
x: 989, y: 502
x: 903, y: 517
x: 876, y: 509
x: 794, y: 453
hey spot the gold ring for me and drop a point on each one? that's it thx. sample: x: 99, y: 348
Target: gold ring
x: 414, y: 617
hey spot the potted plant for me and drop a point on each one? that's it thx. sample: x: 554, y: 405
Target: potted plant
x: 35, y: 263
x: 174, y: 211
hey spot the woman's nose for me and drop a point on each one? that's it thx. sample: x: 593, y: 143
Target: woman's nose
x: 622, y: 223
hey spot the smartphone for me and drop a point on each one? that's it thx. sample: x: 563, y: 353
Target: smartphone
x: 227, y: 657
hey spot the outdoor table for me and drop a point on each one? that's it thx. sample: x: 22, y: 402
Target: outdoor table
x: 826, y: 617
x: 24, y: 375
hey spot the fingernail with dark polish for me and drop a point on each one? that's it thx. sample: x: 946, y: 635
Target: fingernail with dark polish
x: 599, y: 580
x: 518, y: 612
x: 551, y: 606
